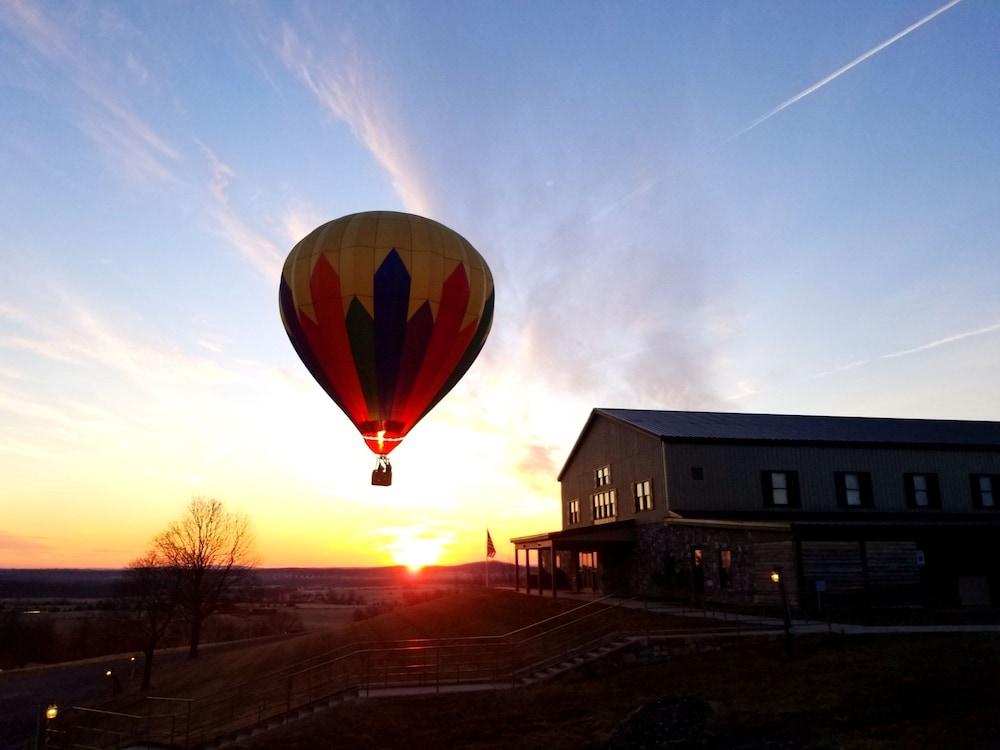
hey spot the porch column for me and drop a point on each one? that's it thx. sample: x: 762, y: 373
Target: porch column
x: 527, y: 570
x: 538, y: 567
x: 552, y: 561
x: 517, y: 571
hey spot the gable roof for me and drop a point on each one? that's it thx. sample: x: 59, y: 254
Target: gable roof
x: 706, y: 426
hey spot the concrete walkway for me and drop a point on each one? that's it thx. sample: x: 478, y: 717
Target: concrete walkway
x: 799, y: 626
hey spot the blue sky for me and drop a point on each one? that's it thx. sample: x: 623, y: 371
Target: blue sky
x: 652, y: 246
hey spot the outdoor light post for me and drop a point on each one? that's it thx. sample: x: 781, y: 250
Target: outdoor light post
x: 778, y: 577
x: 116, y: 685
x: 50, y: 713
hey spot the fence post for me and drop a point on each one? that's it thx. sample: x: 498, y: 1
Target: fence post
x: 368, y: 664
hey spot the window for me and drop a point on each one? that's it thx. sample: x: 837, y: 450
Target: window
x: 922, y: 490
x: 588, y: 560
x: 985, y: 488
x: 854, y: 489
x: 781, y: 488
x: 604, y: 505
x: 643, y: 495
x: 697, y: 473
x: 697, y: 557
x: 574, y: 511
x: 602, y: 476
x: 725, y: 567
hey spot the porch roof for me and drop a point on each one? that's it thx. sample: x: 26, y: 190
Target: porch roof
x: 617, y: 532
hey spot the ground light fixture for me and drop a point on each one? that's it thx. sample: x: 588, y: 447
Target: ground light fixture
x: 778, y: 578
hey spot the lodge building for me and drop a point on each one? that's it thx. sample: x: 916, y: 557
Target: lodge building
x: 854, y: 511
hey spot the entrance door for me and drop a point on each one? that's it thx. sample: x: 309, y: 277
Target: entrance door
x: 698, y: 570
x: 588, y: 579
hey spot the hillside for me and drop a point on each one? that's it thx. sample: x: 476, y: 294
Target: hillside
x: 862, y: 694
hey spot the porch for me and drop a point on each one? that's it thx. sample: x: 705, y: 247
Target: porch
x: 593, y: 559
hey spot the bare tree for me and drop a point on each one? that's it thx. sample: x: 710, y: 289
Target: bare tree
x: 212, y: 549
x: 151, y: 589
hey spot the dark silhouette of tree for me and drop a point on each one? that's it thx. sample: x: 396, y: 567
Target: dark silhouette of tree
x: 151, y: 589
x: 212, y: 549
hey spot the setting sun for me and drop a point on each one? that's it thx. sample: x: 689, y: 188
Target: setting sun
x: 416, y: 549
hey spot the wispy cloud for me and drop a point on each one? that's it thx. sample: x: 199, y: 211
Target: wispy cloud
x: 131, y: 143
x: 841, y: 71
x: 263, y: 253
x: 298, y: 221
x: 348, y: 88
x: 18, y: 543
x: 75, y: 334
x: 67, y: 417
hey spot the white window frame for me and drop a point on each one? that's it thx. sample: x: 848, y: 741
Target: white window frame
x: 852, y: 490
x: 779, y: 489
x: 604, y: 505
x: 642, y: 495
x: 987, y: 491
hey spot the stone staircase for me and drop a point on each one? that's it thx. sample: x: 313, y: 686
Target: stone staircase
x: 575, y: 661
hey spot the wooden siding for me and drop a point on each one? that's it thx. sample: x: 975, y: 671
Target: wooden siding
x: 634, y: 456
x: 892, y: 566
x: 732, y: 476
x: 839, y: 564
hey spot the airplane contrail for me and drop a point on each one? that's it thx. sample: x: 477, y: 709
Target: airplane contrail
x: 648, y: 185
x: 841, y: 70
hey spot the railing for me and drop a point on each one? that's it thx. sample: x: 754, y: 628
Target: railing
x: 364, y: 668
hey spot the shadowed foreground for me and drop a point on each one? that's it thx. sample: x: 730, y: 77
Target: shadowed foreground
x: 914, y: 692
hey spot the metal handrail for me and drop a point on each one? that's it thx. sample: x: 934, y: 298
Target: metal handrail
x: 354, y: 645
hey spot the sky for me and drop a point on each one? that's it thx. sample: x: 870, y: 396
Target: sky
x: 756, y: 207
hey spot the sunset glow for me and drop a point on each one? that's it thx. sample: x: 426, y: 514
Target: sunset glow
x: 417, y: 550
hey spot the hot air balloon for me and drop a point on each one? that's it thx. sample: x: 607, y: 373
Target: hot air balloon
x: 387, y: 311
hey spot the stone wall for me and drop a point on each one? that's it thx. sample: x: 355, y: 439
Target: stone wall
x: 649, y: 570
x: 754, y: 554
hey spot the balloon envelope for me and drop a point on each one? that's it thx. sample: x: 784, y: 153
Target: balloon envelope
x: 387, y: 311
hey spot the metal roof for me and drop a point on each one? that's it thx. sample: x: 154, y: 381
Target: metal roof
x: 728, y: 427
x: 710, y: 426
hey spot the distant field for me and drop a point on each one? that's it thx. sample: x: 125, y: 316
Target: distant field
x: 325, y: 616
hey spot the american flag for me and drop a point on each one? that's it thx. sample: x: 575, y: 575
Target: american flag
x: 491, y: 551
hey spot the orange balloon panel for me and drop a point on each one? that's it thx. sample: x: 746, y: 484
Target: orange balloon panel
x: 387, y: 311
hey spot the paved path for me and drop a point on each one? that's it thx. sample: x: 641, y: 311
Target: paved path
x: 799, y: 627
x: 24, y: 693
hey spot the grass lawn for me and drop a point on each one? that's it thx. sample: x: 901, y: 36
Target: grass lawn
x: 468, y: 613
x: 886, y: 692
